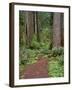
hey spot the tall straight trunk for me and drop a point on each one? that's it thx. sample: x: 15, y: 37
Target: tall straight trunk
x: 29, y: 27
x: 35, y: 18
x: 56, y: 29
x: 38, y: 28
x: 36, y: 25
x: 62, y: 29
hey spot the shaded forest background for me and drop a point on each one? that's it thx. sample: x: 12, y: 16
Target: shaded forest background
x: 41, y: 34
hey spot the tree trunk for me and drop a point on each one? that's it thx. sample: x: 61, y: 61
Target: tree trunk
x: 29, y: 27
x: 35, y: 20
x: 38, y: 28
x: 62, y: 29
x: 57, y: 30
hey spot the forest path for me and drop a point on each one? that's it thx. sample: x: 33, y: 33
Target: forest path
x: 37, y: 70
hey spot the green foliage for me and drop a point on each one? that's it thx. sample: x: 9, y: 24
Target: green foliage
x: 43, y: 44
x: 56, y: 66
x: 57, y: 51
x: 23, y: 56
x: 22, y: 29
x: 45, y: 19
x: 55, y: 62
x: 30, y: 54
x: 61, y: 59
x: 34, y: 43
x: 22, y: 18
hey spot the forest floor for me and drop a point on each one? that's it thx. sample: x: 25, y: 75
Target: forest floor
x: 36, y: 70
x: 43, y: 68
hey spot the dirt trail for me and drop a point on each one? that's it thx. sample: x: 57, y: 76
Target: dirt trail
x: 37, y: 70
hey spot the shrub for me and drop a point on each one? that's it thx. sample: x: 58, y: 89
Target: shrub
x: 23, y: 56
x: 57, y: 51
x: 34, y: 43
x: 56, y: 66
x: 61, y: 59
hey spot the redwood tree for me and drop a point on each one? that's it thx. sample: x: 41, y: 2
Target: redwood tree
x: 29, y: 26
x: 57, y: 29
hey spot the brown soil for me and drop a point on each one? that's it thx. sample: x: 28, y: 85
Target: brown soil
x: 37, y: 70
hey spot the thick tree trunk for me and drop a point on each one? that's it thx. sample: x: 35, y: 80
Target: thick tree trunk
x: 29, y: 27
x: 57, y: 30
